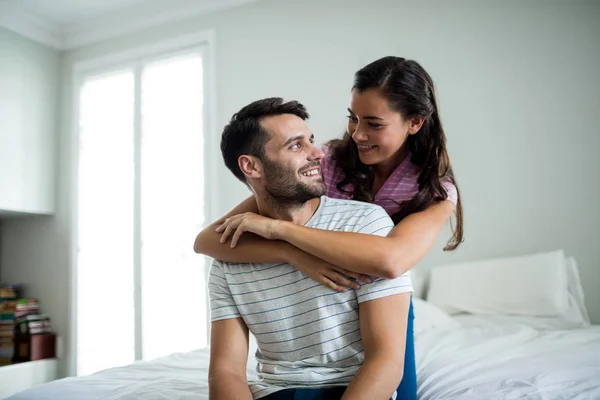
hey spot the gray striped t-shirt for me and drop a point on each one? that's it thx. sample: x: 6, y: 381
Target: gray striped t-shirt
x: 307, y: 334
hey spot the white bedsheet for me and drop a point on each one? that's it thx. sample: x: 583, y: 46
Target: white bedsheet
x: 178, y: 376
x: 499, y: 358
x: 484, y: 359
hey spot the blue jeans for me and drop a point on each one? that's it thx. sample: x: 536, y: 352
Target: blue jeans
x: 408, y: 385
x: 330, y: 393
x: 406, y: 391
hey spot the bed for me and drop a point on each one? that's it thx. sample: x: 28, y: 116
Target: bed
x: 467, y: 346
x: 494, y: 358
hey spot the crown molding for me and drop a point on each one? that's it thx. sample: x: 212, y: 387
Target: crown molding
x: 30, y: 26
x: 135, y: 19
x: 126, y: 21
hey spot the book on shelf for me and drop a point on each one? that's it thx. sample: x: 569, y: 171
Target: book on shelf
x: 25, y: 333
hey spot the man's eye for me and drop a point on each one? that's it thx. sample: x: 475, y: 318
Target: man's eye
x: 295, y: 146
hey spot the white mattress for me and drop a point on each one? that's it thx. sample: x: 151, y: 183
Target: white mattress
x: 486, y: 358
x: 505, y: 358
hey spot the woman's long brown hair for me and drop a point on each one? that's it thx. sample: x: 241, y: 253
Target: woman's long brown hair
x: 410, y: 91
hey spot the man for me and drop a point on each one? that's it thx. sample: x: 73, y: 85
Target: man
x: 311, y: 342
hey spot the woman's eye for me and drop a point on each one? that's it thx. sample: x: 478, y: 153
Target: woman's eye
x: 351, y: 118
x: 375, y: 126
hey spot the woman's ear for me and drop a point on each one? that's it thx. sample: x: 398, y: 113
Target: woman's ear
x: 414, y: 124
x: 250, y: 166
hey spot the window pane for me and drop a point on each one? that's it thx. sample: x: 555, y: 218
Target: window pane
x: 172, y: 205
x: 105, y: 302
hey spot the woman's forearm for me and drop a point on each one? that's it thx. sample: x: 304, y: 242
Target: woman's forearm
x: 385, y: 257
x: 366, y: 254
x: 250, y: 249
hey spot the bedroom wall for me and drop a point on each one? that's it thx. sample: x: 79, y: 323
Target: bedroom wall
x: 518, y: 92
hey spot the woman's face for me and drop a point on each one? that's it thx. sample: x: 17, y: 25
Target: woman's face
x: 378, y: 131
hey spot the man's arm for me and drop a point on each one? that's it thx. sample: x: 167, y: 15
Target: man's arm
x: 384, y: 340
x: 228, y: 341
x: 228, y: 358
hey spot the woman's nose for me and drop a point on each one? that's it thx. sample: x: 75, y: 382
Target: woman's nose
x: 359, y: 135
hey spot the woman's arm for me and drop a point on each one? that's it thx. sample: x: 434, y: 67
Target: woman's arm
x: 251, y: 250
x: 386, y: 257
x: 255, y: 249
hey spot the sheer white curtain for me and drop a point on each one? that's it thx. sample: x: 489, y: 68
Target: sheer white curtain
x: 141, y: 290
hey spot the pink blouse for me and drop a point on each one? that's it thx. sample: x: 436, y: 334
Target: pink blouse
x: 402, y: 185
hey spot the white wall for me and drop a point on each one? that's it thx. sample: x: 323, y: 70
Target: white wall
x: 518, y: 91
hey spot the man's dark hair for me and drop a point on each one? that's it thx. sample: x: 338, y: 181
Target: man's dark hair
x: 244, y: 134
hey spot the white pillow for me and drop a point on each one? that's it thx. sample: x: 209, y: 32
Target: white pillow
x: 535, y: 285
x: 576, y: 314
x: 428, y: 317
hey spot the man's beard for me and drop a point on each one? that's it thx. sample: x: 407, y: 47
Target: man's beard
x: 286, y: 189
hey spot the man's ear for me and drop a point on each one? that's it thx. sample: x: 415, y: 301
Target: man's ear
x: 250, y: 166
x: 414, y: 124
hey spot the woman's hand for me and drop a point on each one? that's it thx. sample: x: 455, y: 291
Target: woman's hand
x: 333, y: 277
x: 248, y: 222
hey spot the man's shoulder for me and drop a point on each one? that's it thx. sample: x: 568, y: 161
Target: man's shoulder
x: 227, y: 266
x: 222, y: 268
x: 243, y: 273
x: 334, y: 205
x: 347, y: 215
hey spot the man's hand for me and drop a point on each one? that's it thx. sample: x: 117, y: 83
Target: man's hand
x: 248, y: 222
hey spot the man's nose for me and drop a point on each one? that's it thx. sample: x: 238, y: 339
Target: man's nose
x: 316, y: 153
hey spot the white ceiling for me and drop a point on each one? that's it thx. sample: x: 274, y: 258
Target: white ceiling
x: 64, y: 12
x: 66, y: 24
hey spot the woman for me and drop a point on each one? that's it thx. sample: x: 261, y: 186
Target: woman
x: 394, y: 155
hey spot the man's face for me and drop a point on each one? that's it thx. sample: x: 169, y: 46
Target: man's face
x: 292, y: 163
